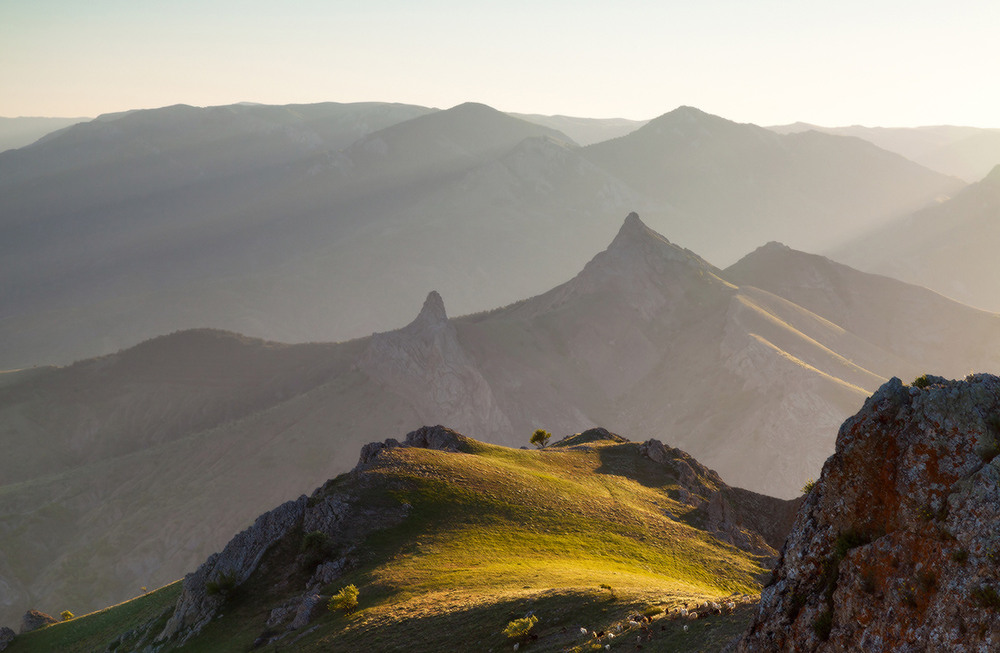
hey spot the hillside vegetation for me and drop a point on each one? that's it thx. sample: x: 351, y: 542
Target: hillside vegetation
x: 447, y: 547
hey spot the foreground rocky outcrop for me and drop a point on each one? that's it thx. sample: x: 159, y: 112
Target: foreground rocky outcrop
x: 897, y: 548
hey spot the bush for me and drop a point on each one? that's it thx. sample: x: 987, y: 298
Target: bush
x: 519, y: 628
x: 66, y: 615
x: 540, y: 438
x: 921, y: 382
x: 223, y: 584
x: 346, y: 600
x: 315, y: 541
x: 808, y: 487
x: 611, y: 590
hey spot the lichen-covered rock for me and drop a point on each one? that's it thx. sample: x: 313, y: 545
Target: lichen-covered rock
x: 897, y: 548
x: 34, y: 619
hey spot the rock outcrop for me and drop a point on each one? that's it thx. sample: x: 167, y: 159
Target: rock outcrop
x: 745, y: 519
x: 425, y: 363
x: 426, y: 437
x: 896, y: 548
x: 34, y: 619
x: 6, y: 637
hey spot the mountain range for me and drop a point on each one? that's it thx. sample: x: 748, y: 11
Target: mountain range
x: 324, y: 222
x: 127, y: 469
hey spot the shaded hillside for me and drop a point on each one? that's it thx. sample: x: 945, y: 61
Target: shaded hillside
x: 325, y: 222
x: 447, y: 539
x: 942, y: 247
x: 729, y: 186
x: 895, y: 547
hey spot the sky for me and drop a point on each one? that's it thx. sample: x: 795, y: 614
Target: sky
x: 769, y: 62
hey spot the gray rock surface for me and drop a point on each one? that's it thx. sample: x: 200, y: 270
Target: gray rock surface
x: 6, y: 637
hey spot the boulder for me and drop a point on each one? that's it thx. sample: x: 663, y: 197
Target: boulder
x: 34, y: 619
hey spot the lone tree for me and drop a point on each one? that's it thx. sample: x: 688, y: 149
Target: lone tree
x: 540, y: 438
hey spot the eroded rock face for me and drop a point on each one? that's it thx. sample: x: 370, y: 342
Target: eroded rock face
x: 897, y: 548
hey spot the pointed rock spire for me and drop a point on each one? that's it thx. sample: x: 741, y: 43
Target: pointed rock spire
x: 433, y: 311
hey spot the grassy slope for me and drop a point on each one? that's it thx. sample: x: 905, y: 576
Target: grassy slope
x: 493, y: 535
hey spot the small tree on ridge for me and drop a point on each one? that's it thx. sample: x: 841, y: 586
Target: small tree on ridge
x: 540, y: 438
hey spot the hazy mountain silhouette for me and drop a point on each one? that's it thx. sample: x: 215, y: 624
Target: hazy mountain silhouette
x: 19, y: 132
x: 585, y: 131
x: 946, y: 246
x: 139, y: 463
x: 730, y: 186
x: 968, y: 153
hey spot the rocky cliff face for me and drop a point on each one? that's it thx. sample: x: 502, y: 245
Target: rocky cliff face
x: 896, y: 547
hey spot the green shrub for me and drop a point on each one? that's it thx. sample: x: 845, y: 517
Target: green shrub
x: 346, y: 600
x: 223, y: 584
x: 960, y: 556
x: 519, y: 628
x: 652, y: 611
x: 808, y: 487
x: 921, y: 382
x: 540, y: 438
x: 66, y: 615
x: 611, y: 590
x: 315, y: 541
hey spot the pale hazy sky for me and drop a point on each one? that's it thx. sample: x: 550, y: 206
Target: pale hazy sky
x: 872, y: 62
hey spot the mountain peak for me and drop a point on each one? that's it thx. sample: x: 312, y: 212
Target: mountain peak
x: 640, y: 257
x: 634, y: 232
x: 433, y: 311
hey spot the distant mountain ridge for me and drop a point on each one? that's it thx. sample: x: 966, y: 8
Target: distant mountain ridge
x: 729, y: 186
x: 23, y: 131
x: 968, y: 153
